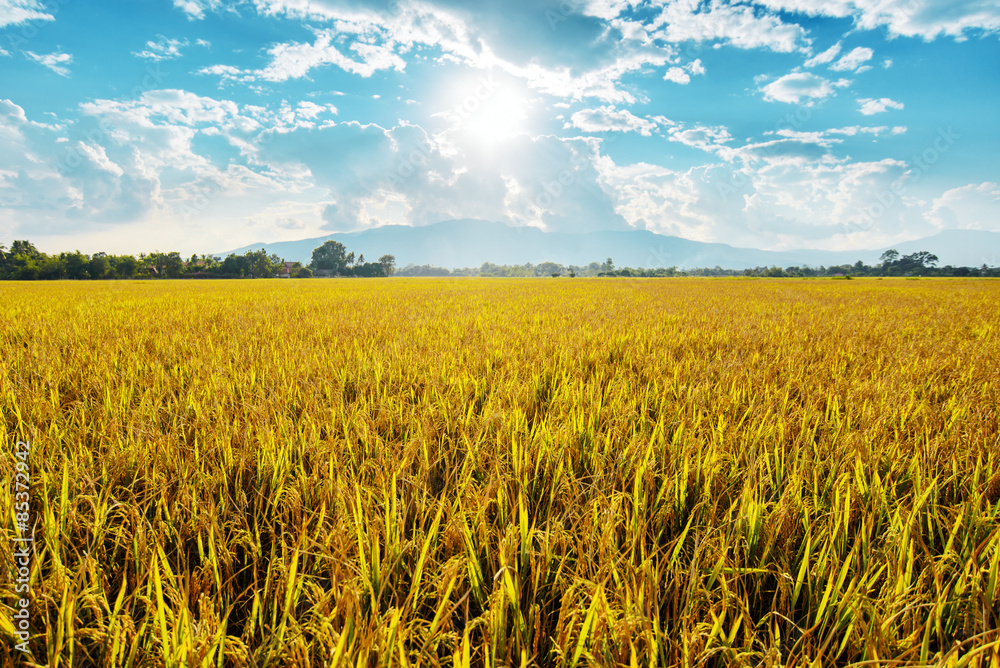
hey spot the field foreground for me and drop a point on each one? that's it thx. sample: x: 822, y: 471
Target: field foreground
x: 475, y: 472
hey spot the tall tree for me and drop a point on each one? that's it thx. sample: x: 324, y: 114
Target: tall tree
x: 388, y: 263
x: 331, y: 256
x: 889, y: 257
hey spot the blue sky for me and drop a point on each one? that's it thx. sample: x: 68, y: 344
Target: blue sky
x: 203, y: 125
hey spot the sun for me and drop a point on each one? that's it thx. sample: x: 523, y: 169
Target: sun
x: 487, y: 113
x: 499, y: 117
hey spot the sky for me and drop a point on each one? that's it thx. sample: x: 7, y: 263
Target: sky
x: 203, y: 125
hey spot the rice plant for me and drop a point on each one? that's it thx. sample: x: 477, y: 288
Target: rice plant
x: 505, y: 473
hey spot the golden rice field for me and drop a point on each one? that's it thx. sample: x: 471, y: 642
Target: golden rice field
x: 571, y: 472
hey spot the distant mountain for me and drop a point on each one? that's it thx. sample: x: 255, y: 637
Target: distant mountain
x: 469, y: 243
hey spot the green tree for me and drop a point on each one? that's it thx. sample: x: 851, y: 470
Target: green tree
x: 549, y: 269
x: 258, y: 264
x: 923, y: 259
x: 889, y: 258
x: 25, y: 249
x: 331, y: 256
x: 388, y: 263
x: 126, y: 266
x: 99, y: 267
x: 76, y: 265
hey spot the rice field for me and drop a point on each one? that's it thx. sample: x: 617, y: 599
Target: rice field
x: 562, y: 472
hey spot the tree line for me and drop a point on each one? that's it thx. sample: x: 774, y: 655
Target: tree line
x: 892, y: 263
x: 23, y: 261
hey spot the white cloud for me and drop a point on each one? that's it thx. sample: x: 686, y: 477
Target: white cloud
x: 403, y: 175
x: 774, y: 204
x: 224, y: 71
x: 42, y: 189
x: 97, y: 155
x: 830, y: 136
x: 853, y: 60
x: 606, y: 9
x: 969, y: 207
x: 608, y: 119
x: 869, y: 106
x: 704, y: 137
x: 15, y: 12
x: 587, y: 61
x: 677, y: 75
x: 133, y: 165
x: 162, y: 49
x: 294, y: 60
x: 927, y: 19
x: 824, y: 57
x: 53, y: 61
x: 682, y: 75
x: 601, y: 83
x: 740, y: 26
x: 195, y: 9
x: 4, y: 52
x: 797, y: 86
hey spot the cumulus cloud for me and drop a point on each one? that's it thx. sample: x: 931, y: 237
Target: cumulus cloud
x: 797, y: 87
x: 853, y: 60
x: 162, y: 48
x: 975, y: 206
x: 776, y: 204
x: 927, y: 19
x: 195, y: 9
x: 54, y: 61
x: 41, y: 190
x: 16, y: 12
x: 677, y: 75
x: 403, y: 175
x: 704, y: 137
x: 824, y: 56
x: 682, y: 75
x: 579, y: 50
x: 827, y: 138
x: 738, y: 25
x: 294, y: 60
x: 870, y: 107
x: 123, y: 162
x: 609, y: 119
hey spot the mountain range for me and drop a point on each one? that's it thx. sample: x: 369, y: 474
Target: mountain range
x: 470, y: 243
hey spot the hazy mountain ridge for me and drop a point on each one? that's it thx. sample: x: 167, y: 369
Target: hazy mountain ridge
x: 470, y: 243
